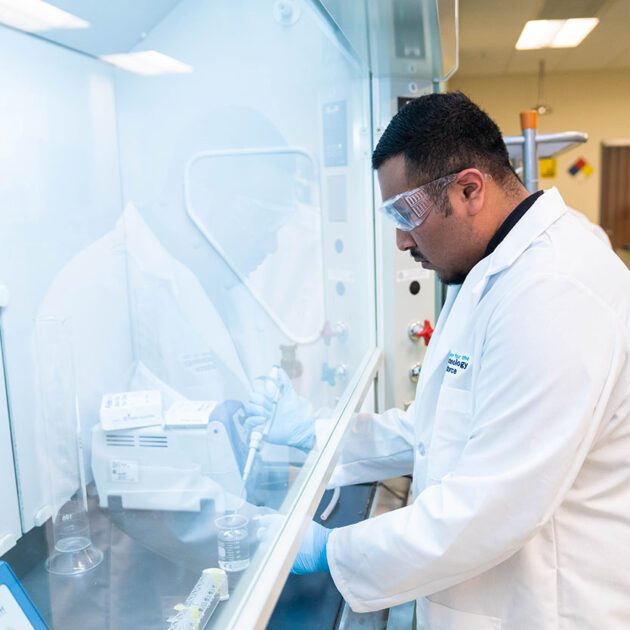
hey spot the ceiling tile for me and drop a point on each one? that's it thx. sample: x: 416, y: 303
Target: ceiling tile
x: 563, y: 9
x: 489, y: 33
x: 483, y: 62
x: 527, y: 61
x: 621, y: 61
x: 486, y: 24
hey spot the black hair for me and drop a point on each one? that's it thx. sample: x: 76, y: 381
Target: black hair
x: 440, y: 134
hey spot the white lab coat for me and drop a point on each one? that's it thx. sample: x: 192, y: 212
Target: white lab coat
x: 519, y: 440
x: 597, y: 230
x: 141, y: 320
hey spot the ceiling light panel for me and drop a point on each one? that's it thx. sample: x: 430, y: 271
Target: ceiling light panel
x: 37, y: 16
x: 147, y: 63
x: 573, y: 32
x: 538, y: 34
x: 555, y: 33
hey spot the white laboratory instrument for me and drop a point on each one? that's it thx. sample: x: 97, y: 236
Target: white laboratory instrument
x: 169, y: 467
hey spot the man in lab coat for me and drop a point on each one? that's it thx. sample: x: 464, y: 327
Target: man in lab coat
x: 519, y: 437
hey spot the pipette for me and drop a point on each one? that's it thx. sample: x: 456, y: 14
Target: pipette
x: 273, y: 389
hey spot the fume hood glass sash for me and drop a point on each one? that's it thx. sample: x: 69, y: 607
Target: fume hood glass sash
x: 255, y: 600
x: 259, y: 209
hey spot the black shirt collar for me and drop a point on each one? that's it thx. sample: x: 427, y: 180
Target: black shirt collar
x: 512, y: 219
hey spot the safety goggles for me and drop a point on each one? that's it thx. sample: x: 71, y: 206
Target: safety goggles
x: 409, y: 209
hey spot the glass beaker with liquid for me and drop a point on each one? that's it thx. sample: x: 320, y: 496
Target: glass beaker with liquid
x: 233, y: 542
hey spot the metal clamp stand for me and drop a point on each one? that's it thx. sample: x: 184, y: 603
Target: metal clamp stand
x: 532, y: 145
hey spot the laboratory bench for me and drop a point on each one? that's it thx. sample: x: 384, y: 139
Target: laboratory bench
x: 118, y: 595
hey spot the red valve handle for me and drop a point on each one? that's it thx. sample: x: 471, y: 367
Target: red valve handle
x: 426, y: 332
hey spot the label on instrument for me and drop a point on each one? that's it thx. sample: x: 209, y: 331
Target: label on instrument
x: 131, y: 410
x: 124, y: 470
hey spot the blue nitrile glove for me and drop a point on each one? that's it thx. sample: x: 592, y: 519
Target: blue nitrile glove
x: 312, y: 557
x: 292, y: 423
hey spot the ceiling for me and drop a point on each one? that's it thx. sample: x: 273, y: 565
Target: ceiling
x: 489, y: 30
x: 116, y: 26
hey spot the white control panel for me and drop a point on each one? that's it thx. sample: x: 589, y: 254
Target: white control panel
x: 410, y: 294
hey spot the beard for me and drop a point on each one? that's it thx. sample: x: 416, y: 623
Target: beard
x: 452, y: 277
x: 446, y: 277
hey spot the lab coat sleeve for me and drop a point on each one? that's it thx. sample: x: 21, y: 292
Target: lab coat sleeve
x: 377, y: 446
x: 549, y: 358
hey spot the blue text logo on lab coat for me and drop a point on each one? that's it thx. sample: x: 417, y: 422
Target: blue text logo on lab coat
x: 457, y: 363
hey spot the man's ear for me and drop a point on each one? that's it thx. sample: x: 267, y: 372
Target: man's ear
x: 470, y: 188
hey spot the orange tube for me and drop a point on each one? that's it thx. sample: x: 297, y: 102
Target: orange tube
x: 529, y: 119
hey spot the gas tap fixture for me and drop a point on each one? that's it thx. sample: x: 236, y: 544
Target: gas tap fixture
x: 414, y: 372
x: 338, y: 330
x: 421, y: 331
x: 334, y: 375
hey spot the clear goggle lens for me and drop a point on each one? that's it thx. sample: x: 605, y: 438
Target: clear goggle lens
x: 409, y: 209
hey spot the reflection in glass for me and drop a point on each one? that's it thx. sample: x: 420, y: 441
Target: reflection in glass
x: 259, y: 209
x: 73, y: 552
x: 208, y: 234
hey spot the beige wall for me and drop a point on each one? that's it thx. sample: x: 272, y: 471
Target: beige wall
x: 597, y: 103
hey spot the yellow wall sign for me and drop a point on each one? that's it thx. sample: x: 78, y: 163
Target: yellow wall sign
x: 547, y: 167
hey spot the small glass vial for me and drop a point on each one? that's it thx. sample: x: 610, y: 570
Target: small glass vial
x: 233, y: 542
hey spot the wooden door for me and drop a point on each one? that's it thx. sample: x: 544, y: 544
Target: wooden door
x: 615, y: 194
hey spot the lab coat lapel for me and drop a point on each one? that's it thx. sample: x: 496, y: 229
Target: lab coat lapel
x: 452, y: 322
x: 545, y: 211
